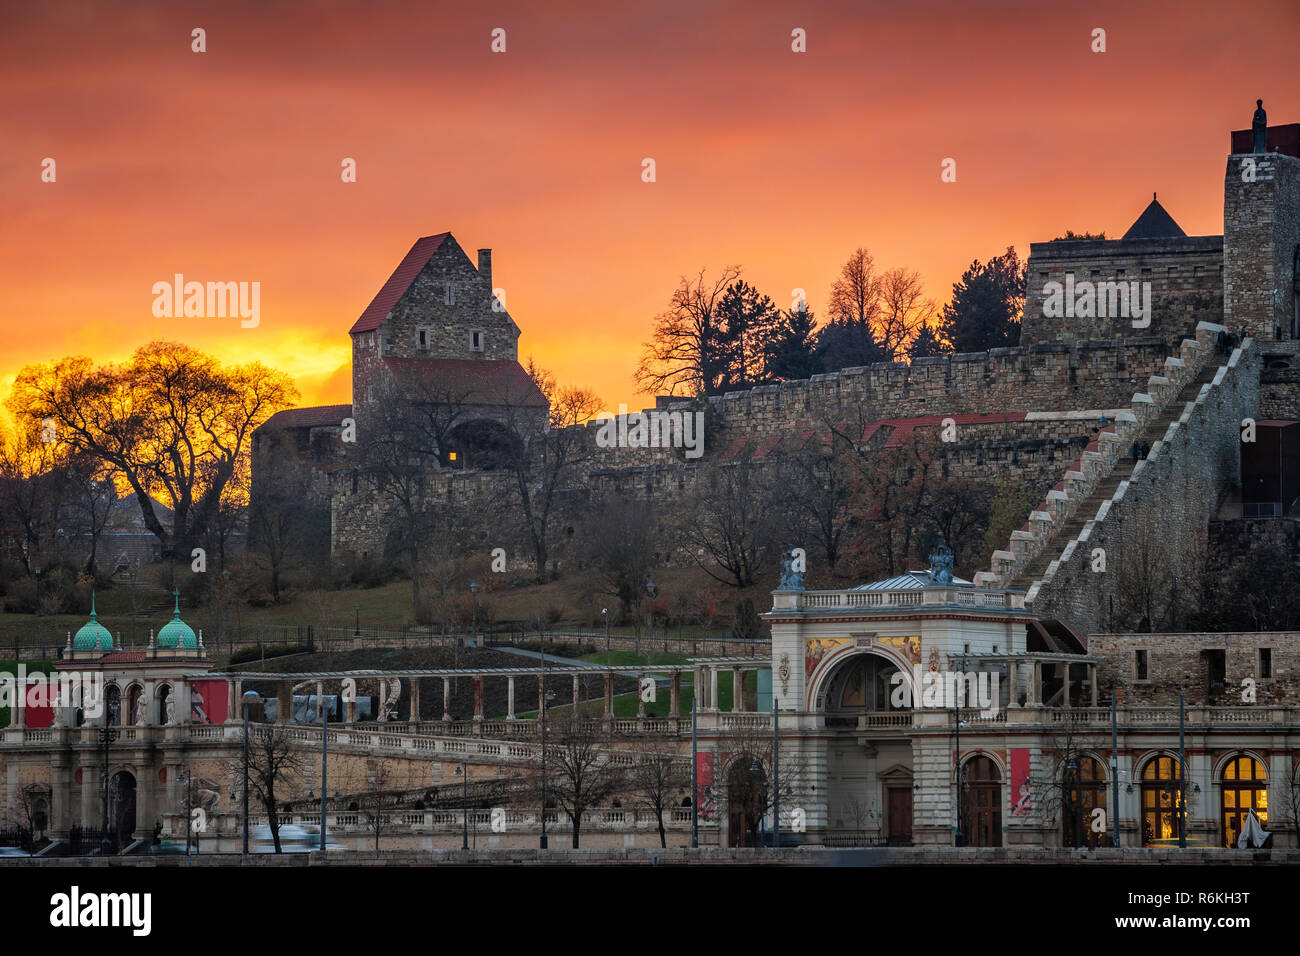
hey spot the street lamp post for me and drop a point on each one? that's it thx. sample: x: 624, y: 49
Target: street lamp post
x: 473, y: 590
x: 187, y: 779
x: 324, y: 761
x: 604, y: 612
x: 250, y: 696
x: 463, y: 773
x: 547, y: 697
x: 357, y: 607
x: 695, y: 769
x: 38, y: 590
x: 650, y: 590
x: 106, y: 737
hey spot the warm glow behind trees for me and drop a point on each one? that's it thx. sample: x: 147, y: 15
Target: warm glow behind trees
x: 173, y: 424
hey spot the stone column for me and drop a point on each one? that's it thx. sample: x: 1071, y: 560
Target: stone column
x: 478, y: 698
x: 541, y: 695
x: 18, y: 718
x: 1034, y: 688
x: 675, y: 695
x: 415, y: 700
x: 577, y: 696
x: 233, y: 713
x: 1092, y: 682
x: 1013, y: 677
x: 737, y: 691
x: 609, y: 695
x: 284, y: 702
x: 640, y: 701
x: 713, y: 688
x: 1065, y: 684
x: 446, y: 698
x: 510, y: 697
x: 61, y: 811
x: 92, y: 788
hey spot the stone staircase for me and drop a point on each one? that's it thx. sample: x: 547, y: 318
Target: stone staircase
x: 1105, y: 489
x: 1106, y: 464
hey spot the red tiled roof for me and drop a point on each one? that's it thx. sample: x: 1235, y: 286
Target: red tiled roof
x: 469, y: 381
x: 309, y: 417
x: 398, y: 283
x: 770, y: 442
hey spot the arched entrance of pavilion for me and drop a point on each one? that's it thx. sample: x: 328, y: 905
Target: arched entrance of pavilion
x: 863, y: 692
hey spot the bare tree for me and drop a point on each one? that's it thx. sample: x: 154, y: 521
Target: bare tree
x: 401, y: 446
x: 903, y: 310
x: 1062, y: 791
x: 273, y: 763
x: 750, y: 780
x: 855, y: 294
x: 548, y: 451
x: 580, y: 772
x: 656, y: 777
x: 732, y: 522
x: 686, y: 354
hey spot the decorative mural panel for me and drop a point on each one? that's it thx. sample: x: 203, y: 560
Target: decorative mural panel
x: 815, y: 648
x: 909, y: 647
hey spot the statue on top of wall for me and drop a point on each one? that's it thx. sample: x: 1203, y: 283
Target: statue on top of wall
x: 1259, y: 127
x: 941, y: 563
x: 791, y: 579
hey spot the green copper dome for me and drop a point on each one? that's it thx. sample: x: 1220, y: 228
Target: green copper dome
x: 176, y: 633
x: 93, y: 636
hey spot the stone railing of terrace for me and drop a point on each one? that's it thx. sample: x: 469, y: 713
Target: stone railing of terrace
x: 1098, y: 460
x: 967, y: 597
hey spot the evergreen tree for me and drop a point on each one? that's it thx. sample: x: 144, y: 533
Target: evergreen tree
x: 746, y: 322
x: 847, y: 344
x: 927, y: 344
x: 792, y: 351
x: 987, y: 305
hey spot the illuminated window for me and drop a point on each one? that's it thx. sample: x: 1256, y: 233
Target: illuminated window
x: 1161, y: 800
x: 1245, y: 788
x: 1083, y: 785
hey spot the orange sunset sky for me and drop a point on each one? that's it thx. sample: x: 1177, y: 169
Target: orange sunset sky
x: 225, y: 165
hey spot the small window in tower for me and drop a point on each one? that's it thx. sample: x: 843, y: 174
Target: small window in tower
x: 451, y: 294
x: 424, y: 338
x: 1266, y: 663
x: 476, y: 341
x: 1119, y: 273
x: 1140, y: 664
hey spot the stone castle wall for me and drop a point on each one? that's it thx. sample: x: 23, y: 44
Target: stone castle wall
x: 1176, y: 664
x: 1261, y: 222
x: 1186, y: 276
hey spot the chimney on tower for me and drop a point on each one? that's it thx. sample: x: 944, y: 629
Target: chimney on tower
x: 485, y: 265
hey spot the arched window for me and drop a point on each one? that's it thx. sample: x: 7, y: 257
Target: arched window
x: 113, y: 705
x: 981, y: 803
x: 1083, y: 790
x: 1245, y: 788
x: 1161, y: 800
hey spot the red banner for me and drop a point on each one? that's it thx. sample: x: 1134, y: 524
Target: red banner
x: 704, y: 782
x: 1021, y: 803
x: 209, y: 701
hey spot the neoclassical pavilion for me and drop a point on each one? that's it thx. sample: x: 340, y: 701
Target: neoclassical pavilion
x: 922, y: 709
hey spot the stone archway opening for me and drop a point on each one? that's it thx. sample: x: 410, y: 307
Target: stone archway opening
x: 121, y: 807
x: 747, y: 795
x: 481, y: 444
